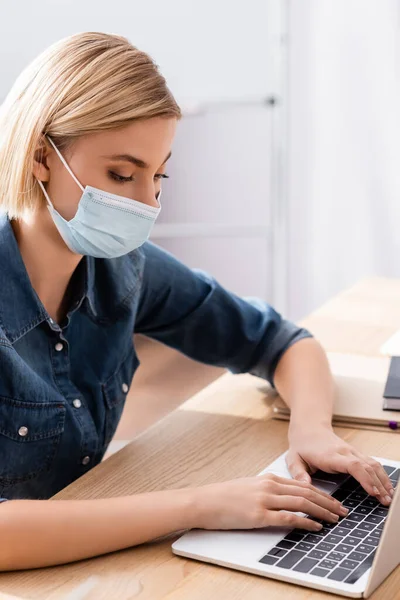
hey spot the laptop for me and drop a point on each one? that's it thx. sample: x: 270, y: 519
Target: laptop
x: 350, y: 558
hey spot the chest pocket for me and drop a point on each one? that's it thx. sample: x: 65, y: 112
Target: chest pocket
x: 115, y: 390
x: 30, y: 433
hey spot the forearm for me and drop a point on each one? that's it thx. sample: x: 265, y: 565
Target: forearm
x: 38, y: 533
x: 304, y: 381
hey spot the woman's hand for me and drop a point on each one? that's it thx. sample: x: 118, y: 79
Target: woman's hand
x: 318, y: 447
x: 263, y: 501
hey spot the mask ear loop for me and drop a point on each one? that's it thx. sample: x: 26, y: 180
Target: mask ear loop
x: 64, y: 162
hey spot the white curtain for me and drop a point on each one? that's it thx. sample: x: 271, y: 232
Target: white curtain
x: 344, y: 157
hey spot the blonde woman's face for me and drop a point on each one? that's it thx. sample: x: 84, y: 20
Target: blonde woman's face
x: 129, y: 161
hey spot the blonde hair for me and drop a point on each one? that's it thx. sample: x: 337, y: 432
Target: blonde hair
x: 84, y: 83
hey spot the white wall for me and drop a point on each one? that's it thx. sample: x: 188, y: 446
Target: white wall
x: 208, y: 50
x: 216, y: 204
x: 344, y: 146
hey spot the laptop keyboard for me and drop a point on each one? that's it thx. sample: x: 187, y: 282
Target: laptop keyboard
x: 341, y: 551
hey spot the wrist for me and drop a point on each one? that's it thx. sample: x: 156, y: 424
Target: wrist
x: 300, y: 424
x: 191, y: 508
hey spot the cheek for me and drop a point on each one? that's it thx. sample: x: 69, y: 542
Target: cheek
x: 65, y: 196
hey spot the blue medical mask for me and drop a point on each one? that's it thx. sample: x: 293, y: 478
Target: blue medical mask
x: 105, y: 225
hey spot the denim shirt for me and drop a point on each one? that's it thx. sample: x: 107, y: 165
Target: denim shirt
x: 63, y: 387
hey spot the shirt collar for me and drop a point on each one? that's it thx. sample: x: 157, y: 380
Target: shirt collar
x: 20, y: 307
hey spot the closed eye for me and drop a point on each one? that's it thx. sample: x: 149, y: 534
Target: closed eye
x: 123, y: 179
x: 119, y: 178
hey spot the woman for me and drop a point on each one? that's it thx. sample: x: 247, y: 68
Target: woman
x: 85, y: 134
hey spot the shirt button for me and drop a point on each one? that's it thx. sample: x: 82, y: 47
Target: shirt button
x: 125, y: 388
x: 23, y: 431
x: 59, y: 346
x: 77, y: 403
x: 85, y: 460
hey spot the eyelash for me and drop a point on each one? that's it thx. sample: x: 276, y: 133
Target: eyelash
x: 122, y: 179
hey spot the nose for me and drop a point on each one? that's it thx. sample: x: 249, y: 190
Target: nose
x: 149, y: 197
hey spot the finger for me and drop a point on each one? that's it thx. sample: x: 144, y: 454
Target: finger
x: 363, y: 473
x: 381, y: 474
x: 298, y: 468
x: 383, y: 492
x: 323, y: 500
x: 301, y: 504
x: 287, y: 519
x: 294, y: 482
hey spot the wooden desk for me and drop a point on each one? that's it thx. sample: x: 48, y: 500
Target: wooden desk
x: 222, y: 433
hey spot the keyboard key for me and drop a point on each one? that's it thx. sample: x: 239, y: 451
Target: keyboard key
x: 304, y: 547
x: 344, y: 548
x: 305, y: 565
x: 312, y: 539
x: 364, y: 526
x: 373, y: 519
x: 360, y: 496
x: 365, y: 548
x: 371, y: 502
x: 329, y: 525
x: 291, y: 558
x: 394, y: 477
x: 338, y: 556
x: 340, y: 531
x: 349, y: 564
x: 286, y: 544
x: 268, y: 560
x: 358, y: 556
x: 317, y: 554
x: 380, y: 511
x: 325, y: 547
x: 364, y: 566
x: 372, y: 541
x: 328, y: 564
x: 339, y: 574
x: 362, y: 510
x: 277, y: 552
x: 350, y: 503
x: 322, y: 532
x: 376, y: 533
x: 333, y: 539
x: 351, y: 540
x: 360, y: 533
x: 353, y: 516
x: 294, y: 537
x: 319, y: 572
x: 348, y: 523
x: 388, y: 469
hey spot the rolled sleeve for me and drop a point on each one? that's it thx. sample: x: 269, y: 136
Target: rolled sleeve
x: 190, y: 311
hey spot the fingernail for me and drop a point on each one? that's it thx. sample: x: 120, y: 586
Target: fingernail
x: 304, y: 479
x: 388, y: 499
x: 317, y: 527
x: 376, y: 491
x: 391, y: 492
x: 335, y: 517
x: 343, y: 510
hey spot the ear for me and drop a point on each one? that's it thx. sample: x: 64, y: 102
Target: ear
x: 40, y: 167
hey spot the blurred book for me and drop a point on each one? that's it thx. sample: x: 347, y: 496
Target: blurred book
x: 359, y: 387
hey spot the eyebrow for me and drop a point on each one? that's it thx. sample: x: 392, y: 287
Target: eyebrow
x: 132, y: 159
